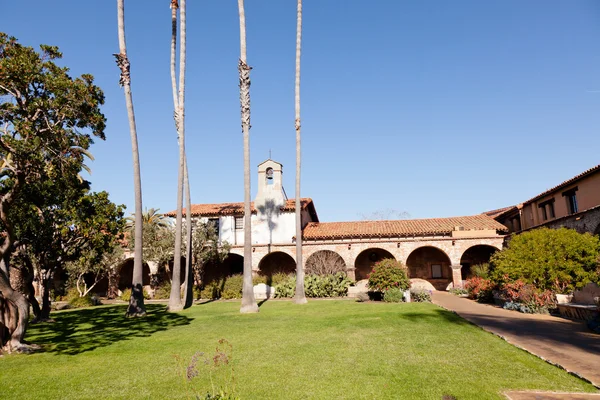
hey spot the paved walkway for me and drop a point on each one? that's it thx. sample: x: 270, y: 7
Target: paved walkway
x: 569, y: 344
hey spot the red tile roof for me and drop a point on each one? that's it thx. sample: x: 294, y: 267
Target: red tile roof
x: 498, y: 212
x: 409, y: 227
x: 566, y: 183
x: 215, y: 210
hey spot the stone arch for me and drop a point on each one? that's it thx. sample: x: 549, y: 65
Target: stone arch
x: 232, y: 265
x: 324, y: 262
x: 431, y: 264
x: 276, y: 262
x: 477, y: 254
x: 366, y: 259
x: 126, y: 274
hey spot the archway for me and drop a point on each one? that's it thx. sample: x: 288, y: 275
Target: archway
x: 325, y: 262
x: 474, y: 255
x: 367, y: 259
x: 232, y: 265
x: 431, y: 264
x: 126, y: 275
x: 276, y: 262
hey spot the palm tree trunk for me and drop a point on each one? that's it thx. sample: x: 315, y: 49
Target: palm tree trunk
x: 300, y: 297
x: 248, y: 302
x: 188, y: 296
x: 175, y: 299
x: 136, y: 302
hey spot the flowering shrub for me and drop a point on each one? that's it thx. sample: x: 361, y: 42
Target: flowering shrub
x: 387, y: 274
x: 480, y: 289
x: 526, y: 298
x: 420, y: 295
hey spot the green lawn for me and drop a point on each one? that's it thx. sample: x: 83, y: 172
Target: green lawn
x: 322, y: 350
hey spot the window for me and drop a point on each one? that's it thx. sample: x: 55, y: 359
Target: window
x: 269, y: 174
x: 436, y: 271
x: 239, y: 223
x: 215, y: 223
x: 544, y: 214
x: 571, y: 196
x: 547, y: 208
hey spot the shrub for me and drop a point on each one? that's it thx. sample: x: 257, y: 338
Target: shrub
x: 481, y: 270
x: 78, y: 302
x: 211, y: 290
x: 232, y: 288
x: 526, y: 298
x: 163, y: 291
x: 126, y: 295
x: 480, y: 289
x: 550, y: 259
x: 420, y: 295
x: 458, y: 291
x: 286, y: 289
x: 388, y: 273
x: 316, y: 286
x: 393, y: 295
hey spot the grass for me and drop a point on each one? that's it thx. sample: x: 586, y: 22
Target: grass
x: 322, y: 350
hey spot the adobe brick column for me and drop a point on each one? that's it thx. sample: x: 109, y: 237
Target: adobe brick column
x: 456, y: 275
x: 350, y: 272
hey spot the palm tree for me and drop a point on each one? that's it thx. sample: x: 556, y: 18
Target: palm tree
x: 175, y: 298
x: 248, y: 302
x: 300, y: 297
x: 151, y: 218
x: 136, y: 303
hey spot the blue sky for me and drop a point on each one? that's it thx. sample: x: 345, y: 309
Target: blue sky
x: 434, y: 108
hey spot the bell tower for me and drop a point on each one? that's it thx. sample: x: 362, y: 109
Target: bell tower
x: 270, y: 187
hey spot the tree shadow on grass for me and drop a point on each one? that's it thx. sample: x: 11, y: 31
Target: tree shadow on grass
x: 78, y: 331
x: 434, y: 315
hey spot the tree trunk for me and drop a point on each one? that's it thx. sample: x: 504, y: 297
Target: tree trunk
x: 175, y: 298
x: 300, y: 297
x: 248, y: 302
x: 14, y: 310
x: 188, y: 297
x: 46, y: 278
x: 136, y: 303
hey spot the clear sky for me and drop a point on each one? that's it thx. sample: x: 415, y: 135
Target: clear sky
x: 434, y: 108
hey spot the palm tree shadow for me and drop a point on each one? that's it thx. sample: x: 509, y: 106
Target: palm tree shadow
x: 79, y: 331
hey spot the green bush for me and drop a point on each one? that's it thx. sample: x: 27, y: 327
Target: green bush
x: 126, y: 295
x: 388, y: 273
x: 287, y: 288
x: 232, y: 288
x: 393, y: 295
x: 458, y: 291
x: 163, y: 291
x: 481, y: 270
x: 315, y: 286
x: 211, y: 290
x: 78, y: 302
x: 550, y: 259
x: 420, y: 295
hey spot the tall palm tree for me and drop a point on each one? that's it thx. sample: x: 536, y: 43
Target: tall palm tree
x: 248, y: 302
x: 300, y: 297
x: 175, y: 298
x: 136, y: 302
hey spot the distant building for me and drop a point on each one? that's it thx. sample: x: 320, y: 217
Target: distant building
x: 438, y: 251
x: 575, y: 204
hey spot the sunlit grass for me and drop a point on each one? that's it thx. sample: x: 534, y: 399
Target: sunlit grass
x: 322, y: 350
